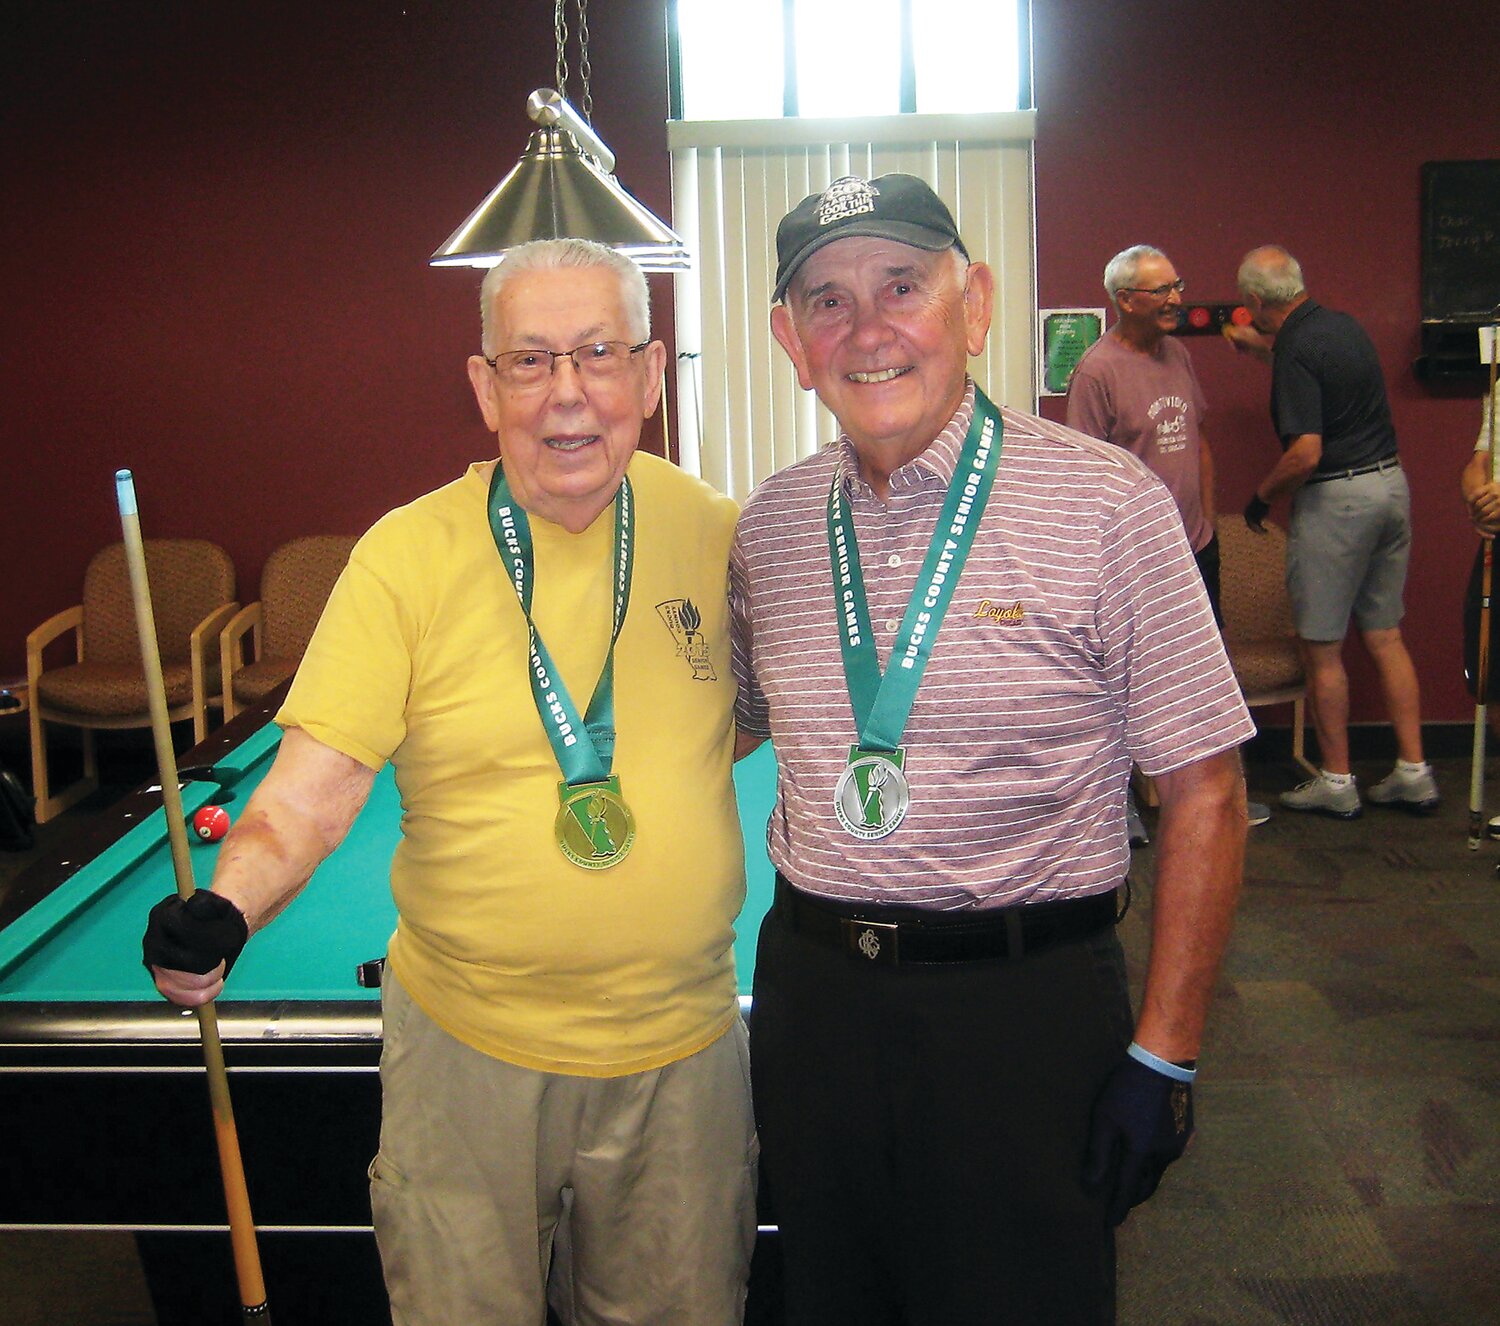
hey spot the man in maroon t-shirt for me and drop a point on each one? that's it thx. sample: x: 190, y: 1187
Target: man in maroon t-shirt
x: 1136, y: 387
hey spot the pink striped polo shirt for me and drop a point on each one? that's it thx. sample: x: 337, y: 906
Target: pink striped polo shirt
x: 1079, y: 639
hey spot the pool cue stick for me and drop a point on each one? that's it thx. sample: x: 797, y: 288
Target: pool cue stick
x: 252, y: 1288
x: 1482, y: 661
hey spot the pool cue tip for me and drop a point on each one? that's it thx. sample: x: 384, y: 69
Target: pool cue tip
x: 125, y: 492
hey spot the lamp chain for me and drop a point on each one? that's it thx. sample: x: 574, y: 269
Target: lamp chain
x: 560, y: 34
x: 585, y: 70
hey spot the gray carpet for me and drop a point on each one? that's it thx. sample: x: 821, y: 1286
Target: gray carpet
x: 1347, y: 1164
x: 1346, y: 1169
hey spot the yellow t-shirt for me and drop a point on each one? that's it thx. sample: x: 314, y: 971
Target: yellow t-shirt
x: 421, y: 659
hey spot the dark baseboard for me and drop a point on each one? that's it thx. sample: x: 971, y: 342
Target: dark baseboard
x: 1367, y: 741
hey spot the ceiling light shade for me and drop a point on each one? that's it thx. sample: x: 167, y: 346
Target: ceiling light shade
x: 558, y: 190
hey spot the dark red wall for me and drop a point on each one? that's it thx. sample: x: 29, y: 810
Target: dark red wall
x: 214, y: 259
x: 1212, y: 127
x: 213, y: 253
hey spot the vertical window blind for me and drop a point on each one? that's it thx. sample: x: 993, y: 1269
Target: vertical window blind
x: 740, y: 413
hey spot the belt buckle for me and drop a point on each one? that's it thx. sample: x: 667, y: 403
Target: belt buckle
x: 875, y: 941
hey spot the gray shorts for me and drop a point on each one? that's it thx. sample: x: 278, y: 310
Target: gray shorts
x: 1347, y: 551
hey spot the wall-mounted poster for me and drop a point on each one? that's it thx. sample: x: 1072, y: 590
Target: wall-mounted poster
x: 1064, y: 334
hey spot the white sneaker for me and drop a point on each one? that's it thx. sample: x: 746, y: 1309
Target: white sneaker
x: 1416, y: 792
x: 1323, y: 796
x: 1258, y: 812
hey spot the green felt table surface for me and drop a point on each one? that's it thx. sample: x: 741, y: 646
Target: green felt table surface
x: 81, y: 943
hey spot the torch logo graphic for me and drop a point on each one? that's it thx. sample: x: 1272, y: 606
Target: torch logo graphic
x: 685, y: 622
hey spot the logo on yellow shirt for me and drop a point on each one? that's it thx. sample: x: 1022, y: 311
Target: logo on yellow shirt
x: 684, y: 620
x: 1004, y: 613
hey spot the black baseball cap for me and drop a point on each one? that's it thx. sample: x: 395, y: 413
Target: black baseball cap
x: 898, y: 207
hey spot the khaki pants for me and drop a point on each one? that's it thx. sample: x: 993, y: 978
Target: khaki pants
x: 634, y: 1195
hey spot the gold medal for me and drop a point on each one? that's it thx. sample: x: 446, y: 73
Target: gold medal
x: 594, y: 827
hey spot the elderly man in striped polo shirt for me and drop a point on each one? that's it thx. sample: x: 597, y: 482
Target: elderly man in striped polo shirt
x: 959, y: 625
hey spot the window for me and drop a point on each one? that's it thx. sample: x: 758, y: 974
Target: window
x: 758, y: 59
x: 854, y: 96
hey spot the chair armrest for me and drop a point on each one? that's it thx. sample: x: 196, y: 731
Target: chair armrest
x: 206, y: 630
x: 210, y: 627
x: 246, y: 621
x: 69, y: 619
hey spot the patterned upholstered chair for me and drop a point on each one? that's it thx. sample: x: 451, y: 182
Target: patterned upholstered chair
x: 192, y: 593
x: 294, y: 586
x: 1259, y: 635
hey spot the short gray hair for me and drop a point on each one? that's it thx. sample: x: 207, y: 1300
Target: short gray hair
x: 550, y: 255
x: 1272, y: 275
x: 1120, y: 270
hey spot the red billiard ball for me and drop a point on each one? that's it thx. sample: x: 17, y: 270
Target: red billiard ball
x: 211, y: 823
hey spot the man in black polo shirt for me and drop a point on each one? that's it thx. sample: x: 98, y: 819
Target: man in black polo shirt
x: 1350, y: 531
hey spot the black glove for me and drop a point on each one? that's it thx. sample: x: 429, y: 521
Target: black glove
x: 1141, y: 1123
x: 1255, y: 513
x: 196, y: 935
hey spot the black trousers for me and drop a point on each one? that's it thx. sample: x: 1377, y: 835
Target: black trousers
x: 1207, y: 558
x: 923, y: 1130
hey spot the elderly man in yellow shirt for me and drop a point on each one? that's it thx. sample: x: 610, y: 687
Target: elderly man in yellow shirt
x: 540, y: 649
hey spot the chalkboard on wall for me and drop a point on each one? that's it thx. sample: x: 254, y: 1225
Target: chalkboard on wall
x: 1460, y: 240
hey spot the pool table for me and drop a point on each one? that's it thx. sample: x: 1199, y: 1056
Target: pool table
x: 101, y: 1082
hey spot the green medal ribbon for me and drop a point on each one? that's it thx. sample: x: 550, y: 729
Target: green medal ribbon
x: 594, y: 827
x: 882, y: 704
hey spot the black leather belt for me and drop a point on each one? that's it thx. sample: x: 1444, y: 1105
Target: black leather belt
x: 1390, y: 463
x: 891, y: 935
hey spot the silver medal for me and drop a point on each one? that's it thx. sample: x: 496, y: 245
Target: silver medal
x: 872, y: 796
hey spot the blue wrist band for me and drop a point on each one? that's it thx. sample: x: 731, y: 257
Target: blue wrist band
x: 1163, y: 1066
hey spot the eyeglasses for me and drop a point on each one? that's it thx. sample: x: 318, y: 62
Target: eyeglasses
x: 1156, y: 292
x: 599, y: 361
